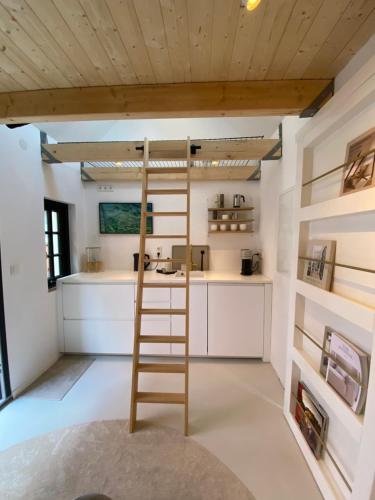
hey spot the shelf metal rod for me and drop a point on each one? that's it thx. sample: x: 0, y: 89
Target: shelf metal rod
x: 336, y: 264
x: 329, y: 355
x: 337, y: 467
x: 338, y: 168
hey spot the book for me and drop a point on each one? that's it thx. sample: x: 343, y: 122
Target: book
x: 345, y: 368
x: 312, y: 420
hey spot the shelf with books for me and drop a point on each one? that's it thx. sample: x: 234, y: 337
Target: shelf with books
x: 354, y: 203
x: 327, y: 484
x: 356, y: 313
x: 353, y: 422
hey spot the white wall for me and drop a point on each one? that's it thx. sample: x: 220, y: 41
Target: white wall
x: 30, y: 310
x: 117, y: 250
x: 277, y: 178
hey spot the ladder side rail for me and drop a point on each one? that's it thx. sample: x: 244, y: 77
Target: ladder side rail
x: 187, y: 299
x: 139, y: 298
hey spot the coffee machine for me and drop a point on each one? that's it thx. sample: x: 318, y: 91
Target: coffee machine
x: 250, y: 262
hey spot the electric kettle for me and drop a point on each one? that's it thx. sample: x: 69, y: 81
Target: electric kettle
x: 237, y: 200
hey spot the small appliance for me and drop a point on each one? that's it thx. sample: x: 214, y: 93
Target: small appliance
x: 237, y: 200
x: 246, y: 262
x: 136, y: 261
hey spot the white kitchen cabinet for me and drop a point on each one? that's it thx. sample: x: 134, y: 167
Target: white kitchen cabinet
x: 98, y: 301
x: 154, y: 324
x: 197, y: 319
x: 235, y: 320
x: 98, y: 336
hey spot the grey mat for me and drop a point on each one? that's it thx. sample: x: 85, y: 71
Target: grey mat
x: 57, y: 381
x: 155, y: 463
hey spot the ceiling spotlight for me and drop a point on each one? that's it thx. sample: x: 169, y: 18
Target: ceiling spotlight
x: 250, y: 4
x: 118, y: 163
x: 215, y: 163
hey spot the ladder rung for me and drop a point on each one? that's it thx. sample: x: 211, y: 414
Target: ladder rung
x: 166, y: 170
x: 170, y: 236
x: 161, y: 368
x: 172, y: 312
x: 168, y: 260
x: 165, y: 214
x: 162, y: 339
x: 164, y: 285
x: 166, y: 191
x: 160, y: 397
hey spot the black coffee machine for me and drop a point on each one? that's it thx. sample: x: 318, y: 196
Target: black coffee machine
x: 248, y: 263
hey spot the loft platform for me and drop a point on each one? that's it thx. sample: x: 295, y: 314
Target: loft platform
x: 211, y: 159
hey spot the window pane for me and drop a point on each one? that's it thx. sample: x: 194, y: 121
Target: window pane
x: 48, y: 270
x: 56, y: 263
x: 46, y: 243
x: 45, y: 220
x: 55, y: 226
x: 56, y: 246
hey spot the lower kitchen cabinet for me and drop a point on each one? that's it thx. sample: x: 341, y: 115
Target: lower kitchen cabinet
x: 197, y: 319
x: 235, y: 320
x: 98, y: 336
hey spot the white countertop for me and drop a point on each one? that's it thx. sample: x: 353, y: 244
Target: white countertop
x: 110, y: 277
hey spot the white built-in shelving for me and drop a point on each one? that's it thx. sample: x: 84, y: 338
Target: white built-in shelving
x: 347, y: 467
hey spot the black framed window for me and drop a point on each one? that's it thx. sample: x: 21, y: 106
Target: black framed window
x: 4, y: 368
x: 56, y: 238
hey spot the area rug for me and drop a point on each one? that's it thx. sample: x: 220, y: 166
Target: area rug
x: 154, y: 463
x: 57, y: 381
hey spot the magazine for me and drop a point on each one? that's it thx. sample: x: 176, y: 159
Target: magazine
x: 346, y: 369
x: 319, y: 270
x: 312, y: 419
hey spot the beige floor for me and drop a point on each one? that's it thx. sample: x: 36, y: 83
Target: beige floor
x: 235, y: 412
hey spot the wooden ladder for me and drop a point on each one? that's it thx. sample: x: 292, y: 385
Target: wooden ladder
x: 140, y: 367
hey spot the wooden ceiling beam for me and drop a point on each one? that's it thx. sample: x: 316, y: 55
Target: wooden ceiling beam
x: 182, y: 100
x: 246, y: 149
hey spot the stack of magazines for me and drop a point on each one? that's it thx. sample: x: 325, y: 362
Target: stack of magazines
x: 312, y: 419
x: 346, y: 368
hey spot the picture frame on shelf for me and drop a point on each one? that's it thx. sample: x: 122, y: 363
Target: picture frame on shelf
x: 312, y: 419
x: 345, y: 368
x: 319, y: 270
x: 359, y: 172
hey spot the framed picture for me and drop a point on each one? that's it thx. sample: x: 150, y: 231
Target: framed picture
x: 123, y: 218
x: 318, y: 271
x: 359, y: 173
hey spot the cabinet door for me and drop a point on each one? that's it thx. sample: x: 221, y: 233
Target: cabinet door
x: 154, y: 324
x: 235, y: 320
x: 197, y: 320
x: 109, y: 302
x: 98, y: 336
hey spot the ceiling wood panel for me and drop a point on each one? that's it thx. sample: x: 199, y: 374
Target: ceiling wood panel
x: 346, y: 27
x: 329, y: 13
x: 273, y: 26
x: 78, y: 43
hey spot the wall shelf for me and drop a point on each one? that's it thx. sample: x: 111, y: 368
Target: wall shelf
x: 229, y: 221
x: 230, y: 232
x: 348, y: 309
x: 353, y: 422
x: 231, y: 209
x: 354, y: 203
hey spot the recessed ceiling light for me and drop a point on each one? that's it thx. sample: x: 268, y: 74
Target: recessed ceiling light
x: 118, y: 163
x: 250, y: 4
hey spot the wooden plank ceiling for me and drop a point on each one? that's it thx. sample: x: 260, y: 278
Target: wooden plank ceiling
x: 64, y: 44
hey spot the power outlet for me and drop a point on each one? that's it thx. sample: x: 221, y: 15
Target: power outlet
x: 104, y: 188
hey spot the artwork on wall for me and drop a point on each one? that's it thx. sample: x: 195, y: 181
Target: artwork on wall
x: 346, y: 369
x: 285, y: 231
x: 360, y: 171
x: 319, y: 270
x: 123, y: 218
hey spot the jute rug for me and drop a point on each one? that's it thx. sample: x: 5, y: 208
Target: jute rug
x: 57, y: 381
x: 155, y: 463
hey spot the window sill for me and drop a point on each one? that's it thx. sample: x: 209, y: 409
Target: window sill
x: 52, y: 289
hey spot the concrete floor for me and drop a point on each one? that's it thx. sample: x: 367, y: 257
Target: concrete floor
x: 235, y: 412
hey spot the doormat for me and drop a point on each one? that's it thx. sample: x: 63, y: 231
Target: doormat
x: 57, y: 381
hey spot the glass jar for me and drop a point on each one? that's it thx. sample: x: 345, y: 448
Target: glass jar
x: 93, y: 260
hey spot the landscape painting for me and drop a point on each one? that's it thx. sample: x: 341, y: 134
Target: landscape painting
x: 123, y: 218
